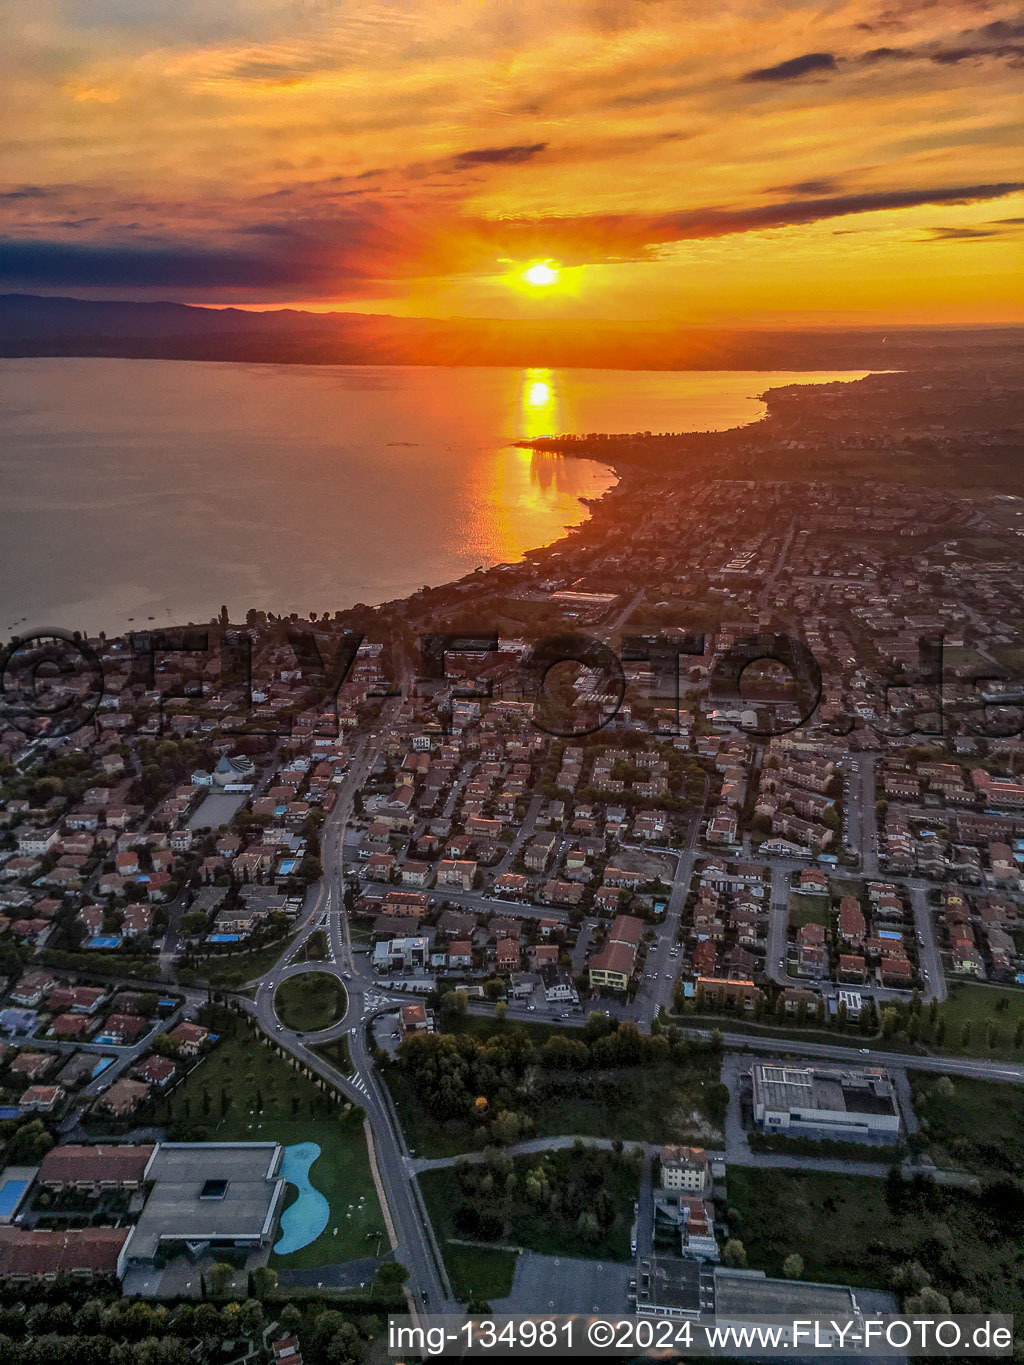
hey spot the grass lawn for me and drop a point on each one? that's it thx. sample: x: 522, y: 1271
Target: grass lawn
x: 645, y: 1104
x: 316, y: 947
x: 524, y: 1221
x: 847, y: 1233
x: 245, y: 1092
x: 805, y: 909
x: 234, y: 969
x: 480, y: 1273
x: 310, y: 1002
x: 979, y: 1006
x: 337, y: 1054
x: 974, y: 1125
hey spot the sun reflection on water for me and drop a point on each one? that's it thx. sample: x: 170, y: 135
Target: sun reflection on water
x: 540, y: 406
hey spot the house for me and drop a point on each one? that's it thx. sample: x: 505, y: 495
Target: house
x: 94, y: 1169
x: 512, y: 884
x: 122, y: 1029
x: 31, y: 1256
x: 456, y: 872
x: 460, y: 954
x: 612, y: 967
x: 684, y: 1168
x: 415, y: 1019
x: 43, y: 1099
x: 852, y: 967
x: 556, y: 892
x: 32, y: 987
x: 72, y: 1026
x: 507, y: 957
x: 123, y: 1097
x: 379, y: 866
x: 416, y: 873
x: 157, y: 1071
x: 32, y: 1065
x: 851, y: 921
x: 557, y: 983
x: 742, y: 994
x: 189, y: 1039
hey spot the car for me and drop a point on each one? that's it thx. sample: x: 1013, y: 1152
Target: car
x: 279, y: 1027
x: 564, y: 1016
x: 531, y: 1007
x: 782, y: 961
x: 864, y: 1051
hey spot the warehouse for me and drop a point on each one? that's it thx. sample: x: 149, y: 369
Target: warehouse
x: 838, y: 1103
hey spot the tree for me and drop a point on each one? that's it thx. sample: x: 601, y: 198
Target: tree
x: 390, y: 1278
x: 250, y: 1319
x: 264, y: 1281
x: 501, y: 1010
x: 734, y: 1254
x: 927, y: 1300
x: 793, y: 1266
x: 221, y: 1275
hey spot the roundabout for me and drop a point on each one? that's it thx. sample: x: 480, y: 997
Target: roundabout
x: 310, y: 1002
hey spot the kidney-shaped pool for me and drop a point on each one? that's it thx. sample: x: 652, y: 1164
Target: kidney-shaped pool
x: 306, y: 1217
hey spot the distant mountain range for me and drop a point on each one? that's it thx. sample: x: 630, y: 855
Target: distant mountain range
x: 35, y: 325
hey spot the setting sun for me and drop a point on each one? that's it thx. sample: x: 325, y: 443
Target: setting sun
x: 540, y: 275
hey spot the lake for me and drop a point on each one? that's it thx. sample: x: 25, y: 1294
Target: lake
x: 151, y: 490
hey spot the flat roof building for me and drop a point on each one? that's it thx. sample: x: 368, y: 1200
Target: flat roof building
x: 843, y: 1102
x: 209, y: 1195
x: 746, y: 1298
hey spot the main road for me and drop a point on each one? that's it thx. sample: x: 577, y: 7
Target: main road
x: 415, y: 1246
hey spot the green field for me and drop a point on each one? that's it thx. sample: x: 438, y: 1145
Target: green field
x: 809, y: 910
x: 848, y: 1232
x: 664, y: 1103
x: 972, y: 1125
x: 310, y: 1002
x: 979, y: 1006
x: 245, y: 1092
x: 479, y: 1273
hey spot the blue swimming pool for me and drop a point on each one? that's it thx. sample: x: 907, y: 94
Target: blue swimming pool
x: 302, y: 1221
x: 104, y: 941
x: 11, y: 1194
x: 287, y: 867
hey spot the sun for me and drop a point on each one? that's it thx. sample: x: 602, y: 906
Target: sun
x: 541, y: 274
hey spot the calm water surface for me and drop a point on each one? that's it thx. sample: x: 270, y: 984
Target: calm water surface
x: 133, y: 490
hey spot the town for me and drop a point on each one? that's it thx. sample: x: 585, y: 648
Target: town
x: 423, y: 985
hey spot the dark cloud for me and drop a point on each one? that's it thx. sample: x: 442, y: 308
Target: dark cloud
x: 998, y: 41
x: 495, y: 156
x: 825, y: 186
x: 794, y: 67
x: 68, y: 264
x: 795, y: 212
x: 27, y: 192
x: 958, y: 234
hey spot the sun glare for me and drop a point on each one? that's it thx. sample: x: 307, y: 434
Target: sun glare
x: 540, y: 275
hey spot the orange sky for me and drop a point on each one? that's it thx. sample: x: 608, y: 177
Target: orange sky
x: 708, y: 163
